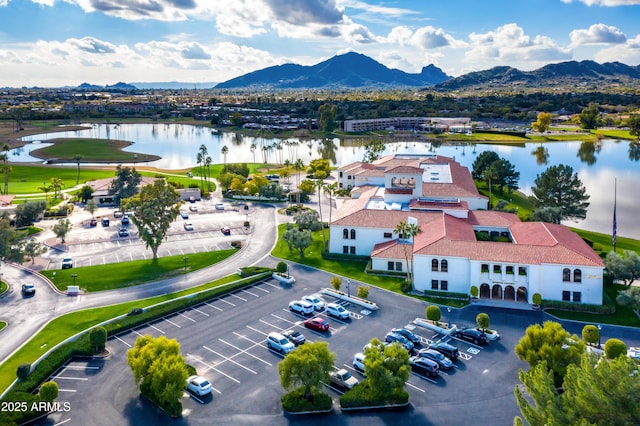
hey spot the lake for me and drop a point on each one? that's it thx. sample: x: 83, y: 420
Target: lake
x: 598, y: 165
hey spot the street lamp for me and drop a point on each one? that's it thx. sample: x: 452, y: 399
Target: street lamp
x: 599, y: 330
x: 185, y: 263
x: 288, y: 266
x: 449, y: 317
x: 74, y: 276
x: 348, y: 288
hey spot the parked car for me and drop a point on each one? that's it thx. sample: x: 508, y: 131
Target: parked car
x: 105, y: 221
x: 318, y: 304
x: 184, y: 215
x: 338, y: 311
x: 193, y: 208
x: 317, y: 324
x: 301, y: 307
x: 28, y: 290
x: 123, y: 232
x: 225, y: 230
x: 219, y: 206
x: 188, y: 226
x: 491, y: 334
x: 472, y: 335
x: 125, y: 220
x: 93, y: 222
x: 358, y: 362
x: 424, y: 366
x: 447, y: 350
x: 407, y: 333
x: 443, y: 362
x: 67, y: 263
x: 395, y: 337
x: 199, y: 385
x: 343, y: 379
x: 279, y: 343
x: 294, y: 337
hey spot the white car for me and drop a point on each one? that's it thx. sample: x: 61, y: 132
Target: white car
x: 219, y: 206
x: 279, y: 343
x: 318, y: 304
x: 358, y: 362
x: 199, y: 385
x: 338, y: 311
x: 188, y: 226
x: 301, y: 307
x: 67, y: 263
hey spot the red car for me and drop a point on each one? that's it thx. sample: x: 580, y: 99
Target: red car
x: 317, y: 324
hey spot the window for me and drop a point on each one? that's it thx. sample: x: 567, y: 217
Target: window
x: 434, y: 284
x: 444, y: 285
x: 566, y: 296
x: 434, y: 265
x: 340, y: 174
x: 566, y: 275
x: 577, y: 296
x: 390, y: 266
x: 510, y: 270
x: 345, y: 249
x: 398, y: 266
x: 497, y: 269
x: 353, y: 234
x: 340, y: 185
x: 388, y: 235
x: 352, y: 250
x: 484, y: 268
x: 522, y: 270
x: 577, y: 275
x: 345, y: 234
x: 444, y: 266
x: 348, y: 177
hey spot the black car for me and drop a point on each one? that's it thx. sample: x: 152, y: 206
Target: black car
x: 123, y: 232
x: 28, y: 290
x: 447, y: 350
x: 472, y: 335
x: 105, y: 221
x: 124, y: 220
x: 406, y: 333
x: 443, y: 362
x: 424, y: 366
x: 395, y: 337
x: 294, y: 337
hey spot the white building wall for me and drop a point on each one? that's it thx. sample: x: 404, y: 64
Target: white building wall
x: 366, y: 239
x: 457, y: 277
x: 551, y: 285
x: 382, y: 264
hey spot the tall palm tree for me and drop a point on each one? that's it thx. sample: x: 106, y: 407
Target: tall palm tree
x: 77, y: 158
x: 56, y: 184
x: 207, y: 162
x: 298, y: 165
x: 253, y: 151
x: 406, y: 233
x: 200, y: 161
x: 330, y: 189
x: 318, y: 184
x: 224, y: 151
x: 5, y: 166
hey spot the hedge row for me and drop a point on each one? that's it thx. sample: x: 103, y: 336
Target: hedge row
x: 578, y: 307
x: 295, y: 401
x: 363, y: 395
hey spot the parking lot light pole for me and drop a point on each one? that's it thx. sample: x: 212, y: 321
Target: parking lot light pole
x: 449, y: 317
x: 185, y: 264
x: 599, y: 330
x: 74, y: 276
x: 348, y: 288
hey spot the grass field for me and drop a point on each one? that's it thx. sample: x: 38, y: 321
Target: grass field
x: 90, y: 151
x: 127, y: 274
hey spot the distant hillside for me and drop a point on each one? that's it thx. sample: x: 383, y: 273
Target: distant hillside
x: 563, y: 74
x: 351, y: 70
x: 117, y: 86
x: 173, y: 85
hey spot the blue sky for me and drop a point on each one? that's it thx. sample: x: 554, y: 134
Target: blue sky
x: 50, y: 43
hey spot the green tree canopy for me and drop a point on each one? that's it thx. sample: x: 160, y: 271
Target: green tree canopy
x: 373, y: 150
x: 307, y: 219
x: 590, y: 117
x: 156, y: 207
x: 296, y: 238
x: 98, y: 338
x: 11, y: 244
x: 34, y: 248
x: 542, y: 123
x: 327, y: 117
x: 631, y: 298
x: 482, y: 319
x: 48, y: 391
x: 624, y: 267
x: 633, y: 122
x: 590, y: 334
x: 62, y: 228
x: 27, y: 213
x: 307, y: 366
x: 91, y: 207
x: 85, y: 193
x: 560, y: 187
x: 552, y: 344
x: 614, y: 348
x: 386, y: 367
x: 433, y: 313
x: 482, y: 161
x: 125, y: 185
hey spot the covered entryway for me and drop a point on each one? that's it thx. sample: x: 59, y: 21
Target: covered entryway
x: 485, y: 291
x: 509, y: 293
x: 496, y: 291
x: 522, y: 295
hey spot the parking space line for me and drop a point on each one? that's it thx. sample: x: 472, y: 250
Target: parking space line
x: 286, y: 320
x: 155, y: 328
x: 211, y: 367
x: 135, y: 331
x: 225, y: 301
x: 190, y: 319
x: 122, y: 341
x: 203, y: 313
x: 253, y: 294
x: 70, y: 378
x: 272, y: 285
x: 415, y: 387
x: 213, y: 306
x: 241, y: 298
x: 245, y: 350
x: 423, y: 378
x: 62, y: 422
x: 261, y: 289
x: 171, y: 322
x: 66, y: 390
x: 270, y: 325
x: 78, y: 367
x: 228, y: 359
x: 256, y: 330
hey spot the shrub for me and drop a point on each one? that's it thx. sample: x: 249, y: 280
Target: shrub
x: 614, y: 348
x: 474, y: 291
x: 48, y: 391
x: 363, y: 291
x: 482, y: 320
x: 281, y: 267
x: 406, y: 287
x: 590, y: 334
x: 236, y: 244
x: 537, y: 298
x: 98, y: 338
x: 296, y: 402
x: 336, y: 282
x: 135, y: 311
x: 24, y: 370
x: 363, y: 395
x: 433, y: 313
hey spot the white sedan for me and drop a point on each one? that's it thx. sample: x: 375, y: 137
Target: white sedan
x: 199, y: 385
x: 301, y: 307
x: 318, y: 304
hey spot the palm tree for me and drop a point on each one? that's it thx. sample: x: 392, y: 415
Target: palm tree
x: 330, y: 189
x: 56, y: 184
x: 45, y: 188
x: 200, y: 161
x: 202, y: 156
x: 406, y: 233
x: 5, y: 166
x: 224, y: 151
x: 319, y: 183
x: 207, y: 162
x: 298, y: 165
x: 77, y: 158
x: 253, y: 151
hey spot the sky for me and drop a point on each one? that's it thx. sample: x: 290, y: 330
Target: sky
x: 53, y: 43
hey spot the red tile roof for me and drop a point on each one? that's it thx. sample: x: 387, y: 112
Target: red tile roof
x: 392, y: 250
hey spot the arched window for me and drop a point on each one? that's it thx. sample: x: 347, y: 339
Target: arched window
x: 577, y: 275
x: 345, y: 234
x: 353, y: 234
x: 434, y: 265
x: 566, y: 274
x: 444, y: 266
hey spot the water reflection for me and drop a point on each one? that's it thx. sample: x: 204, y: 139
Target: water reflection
x: 597, y: 164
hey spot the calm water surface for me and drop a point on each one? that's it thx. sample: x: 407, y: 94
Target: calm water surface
x: 598, y: 165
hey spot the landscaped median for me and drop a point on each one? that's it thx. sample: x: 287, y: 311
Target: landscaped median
x: 58, y: 341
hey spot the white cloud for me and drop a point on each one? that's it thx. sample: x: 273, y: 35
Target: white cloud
x: 424, y: 38
x: 597, y: 34
x: 628, y: 53
x: 610, y: 3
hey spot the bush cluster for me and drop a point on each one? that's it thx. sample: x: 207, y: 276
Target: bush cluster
x: 364, y: 395
x: 253, y: 270
x: 578, y: 307
x: 295, y: 401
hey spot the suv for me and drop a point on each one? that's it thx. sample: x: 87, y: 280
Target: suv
x: 105, y: 221
x: 67, y: 263
x: 28, y: 290
x: 424, y: 366
x: 407, y: 333
x: 358, y: 362
x: 443, y: 362
x: 338, y: 311
x: 447, y: 350
x: 279, y: 343
x: 472, y: 335
x: 395, y: 337
x: 301, y: 307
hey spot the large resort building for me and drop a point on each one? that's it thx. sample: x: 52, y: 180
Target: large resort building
x: 461, y: 243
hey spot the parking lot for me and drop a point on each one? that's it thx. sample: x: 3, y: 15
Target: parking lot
x: 225, y: 340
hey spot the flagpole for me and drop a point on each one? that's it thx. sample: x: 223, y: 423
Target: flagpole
x: 615, y: 222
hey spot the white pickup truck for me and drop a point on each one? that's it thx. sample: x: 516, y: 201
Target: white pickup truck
x: 343, y: 379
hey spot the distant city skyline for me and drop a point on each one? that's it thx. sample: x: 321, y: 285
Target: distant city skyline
x: 53, y: 43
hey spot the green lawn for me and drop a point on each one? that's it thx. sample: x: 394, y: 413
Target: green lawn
x: 27, y: 179
x: 91, y: 150
x: 602, y: 243
x: 3, y: 287
x: 126, y: 274
x: 2, y: 325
